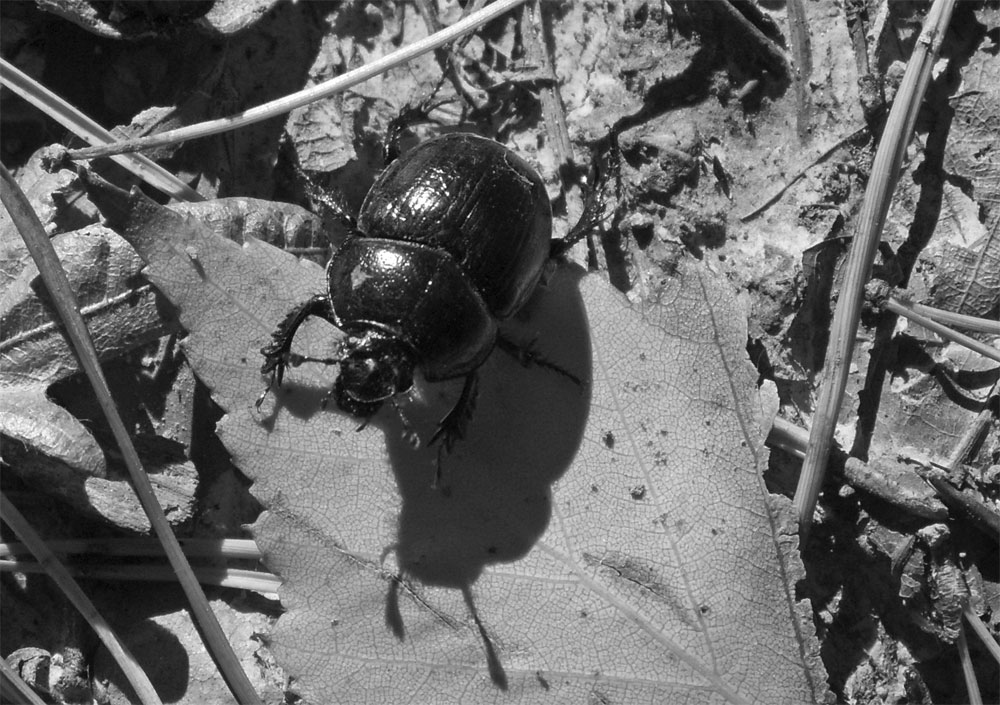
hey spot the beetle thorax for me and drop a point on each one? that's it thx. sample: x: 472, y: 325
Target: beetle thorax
x: 374, y: 366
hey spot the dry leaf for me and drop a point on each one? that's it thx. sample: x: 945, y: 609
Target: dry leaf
x: 616, y: 540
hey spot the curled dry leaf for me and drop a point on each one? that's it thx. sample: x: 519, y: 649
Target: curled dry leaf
x: 139, y: 20
x: 54, y: 450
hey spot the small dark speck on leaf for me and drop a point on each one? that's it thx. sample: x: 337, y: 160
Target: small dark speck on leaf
x: 642, y: 356
x: 192, y: 254
x: 583, y: 614
x: 704, y: 609
x: 609, y: 440
x: 595, y: 489
x: 541, y: 680
x: 638, y: 492
x: 715, y: 532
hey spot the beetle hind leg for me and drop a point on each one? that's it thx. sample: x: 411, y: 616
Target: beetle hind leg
x: 330, y: 200
x: 526, y: 355
x: 452, y: 427
x: 278, y: 353
x: 594, y: 205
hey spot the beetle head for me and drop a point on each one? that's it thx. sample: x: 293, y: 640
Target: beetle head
x: 374, y: 366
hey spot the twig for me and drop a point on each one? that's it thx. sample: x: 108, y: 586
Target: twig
x: 788, y: 437
x: 980, y: 630
x: 533, y: 31
x: 58, y: 286
x: 973, y: 434
x: 956, y: 320
x: 202, y: 548
x: 85, y: 128
x: 885, y: 173
x: 798, y: 30
x: 967, y: 504
x: 308, y: 95
x: 235, y: 578
x: 773, y: 198
x: 975, y: 697
x: 901, y: 309
x: 769, y: 51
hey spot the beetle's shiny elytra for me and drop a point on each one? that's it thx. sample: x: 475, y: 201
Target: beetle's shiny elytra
x: 451, y: 239
x: 476, y: 200
x: 454, y: 236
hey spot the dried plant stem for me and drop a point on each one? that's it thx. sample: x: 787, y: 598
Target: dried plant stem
x: 980, y: 630
x: 220, y: 577
x: 533, y: 32
x: 788, y: 437
x: 88, y: 130
x: 211, y: 548
x: 974, y: 434
x: 63, y: 298
x: 975, y: 697
x: 309, y: 95
x: 69, y: 587
x: 944, y: 331
x: 885, y: 173
x: 956, y: 320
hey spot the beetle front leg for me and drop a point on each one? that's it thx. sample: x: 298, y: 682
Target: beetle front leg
x: 278, y: 352
x: 409, y: 115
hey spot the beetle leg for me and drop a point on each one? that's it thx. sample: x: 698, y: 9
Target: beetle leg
x: 590, y: 219
x: 593, y: 207
x: 409, y: 115
x: 330, y: 200
x: 452, y: 427
x: 278, y: 353
x: 526, y: 355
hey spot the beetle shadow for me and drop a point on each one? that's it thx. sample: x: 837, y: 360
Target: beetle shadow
x: 494, y: 498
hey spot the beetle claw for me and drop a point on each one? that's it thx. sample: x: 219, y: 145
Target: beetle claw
x: 274, y: 363
x: 263, y: 395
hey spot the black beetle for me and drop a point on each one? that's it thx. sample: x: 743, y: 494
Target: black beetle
x: 451, y: 239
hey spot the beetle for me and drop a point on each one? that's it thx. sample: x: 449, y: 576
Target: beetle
x: 451, y: 239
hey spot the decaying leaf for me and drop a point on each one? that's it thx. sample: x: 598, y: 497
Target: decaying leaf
x: 54, y: 450
x: 121, y: 309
